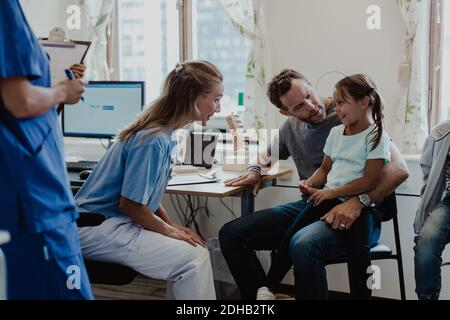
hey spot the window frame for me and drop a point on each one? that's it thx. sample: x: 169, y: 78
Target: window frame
x: 436, y: 38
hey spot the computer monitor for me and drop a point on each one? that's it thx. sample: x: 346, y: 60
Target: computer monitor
x: 108, y: 107
x: 197, y: 148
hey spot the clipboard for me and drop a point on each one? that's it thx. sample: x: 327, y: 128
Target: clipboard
x: 64, y: 54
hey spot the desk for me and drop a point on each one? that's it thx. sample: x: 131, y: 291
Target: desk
x: 217, y: 190
x: 4, y: 238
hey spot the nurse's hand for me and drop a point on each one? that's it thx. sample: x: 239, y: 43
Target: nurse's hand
x: 72, y: 90
x: 190, y: 232
x: 181, y: 235
x: 78, y: 70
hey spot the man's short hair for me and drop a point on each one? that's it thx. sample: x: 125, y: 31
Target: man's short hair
x: 281, y: 84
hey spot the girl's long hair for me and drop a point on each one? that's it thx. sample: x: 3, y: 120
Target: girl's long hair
x: 176, y: 104
x: 359, y: 86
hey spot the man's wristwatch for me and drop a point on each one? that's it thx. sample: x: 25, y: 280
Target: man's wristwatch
x: 365, y: 199
x: 255, y: 169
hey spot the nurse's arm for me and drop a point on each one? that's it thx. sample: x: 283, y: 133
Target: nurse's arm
x: 24, y: 100
x: 143, y: 216
x: 162, y: 213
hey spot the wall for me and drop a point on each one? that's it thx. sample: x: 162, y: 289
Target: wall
x: 315, y: 37
x: 44, y: 15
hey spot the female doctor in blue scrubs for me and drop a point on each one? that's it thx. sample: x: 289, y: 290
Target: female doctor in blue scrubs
x: 128, y: 183
x: 36, y: 205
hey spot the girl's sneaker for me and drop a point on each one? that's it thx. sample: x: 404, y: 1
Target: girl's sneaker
x: 265, y: 294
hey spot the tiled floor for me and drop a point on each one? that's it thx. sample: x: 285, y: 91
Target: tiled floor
x: 141, y: 288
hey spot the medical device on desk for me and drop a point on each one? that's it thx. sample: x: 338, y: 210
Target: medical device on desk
x: 239, y: 161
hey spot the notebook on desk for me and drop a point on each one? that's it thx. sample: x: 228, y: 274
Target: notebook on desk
x: 186, y: 179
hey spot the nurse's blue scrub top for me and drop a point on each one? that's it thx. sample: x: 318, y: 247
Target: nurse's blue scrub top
x: 138, y: 169
x: 34, y: 185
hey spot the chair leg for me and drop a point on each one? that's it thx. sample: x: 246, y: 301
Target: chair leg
x: 401, y: 278
x: 398, y: 250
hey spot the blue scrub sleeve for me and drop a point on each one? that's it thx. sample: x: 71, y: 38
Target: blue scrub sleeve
x: 18, y: 44
x: 142, y: 168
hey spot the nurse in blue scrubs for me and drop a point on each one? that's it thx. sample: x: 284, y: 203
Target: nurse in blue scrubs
x: 36, y: 206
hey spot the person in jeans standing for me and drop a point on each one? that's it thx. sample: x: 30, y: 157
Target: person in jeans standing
x: 432, y: 223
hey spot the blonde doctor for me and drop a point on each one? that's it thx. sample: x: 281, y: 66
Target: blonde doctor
x: 129, y: 181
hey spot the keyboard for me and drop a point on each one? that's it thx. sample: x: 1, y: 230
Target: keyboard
x: 80, y: 166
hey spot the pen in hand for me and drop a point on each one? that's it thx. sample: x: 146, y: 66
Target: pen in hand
x: 71, y: 76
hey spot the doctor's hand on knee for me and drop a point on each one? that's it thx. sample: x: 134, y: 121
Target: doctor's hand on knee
x: 178, y: 234
x: 191, y: 233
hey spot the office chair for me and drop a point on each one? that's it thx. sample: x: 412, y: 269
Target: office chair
x: 381, y: 251
x: 101, y: 272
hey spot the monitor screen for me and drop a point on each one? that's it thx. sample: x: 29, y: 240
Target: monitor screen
x: 108, y: 107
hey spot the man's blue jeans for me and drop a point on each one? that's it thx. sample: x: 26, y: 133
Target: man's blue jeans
x: 264, y: 230
x: 430, y: 243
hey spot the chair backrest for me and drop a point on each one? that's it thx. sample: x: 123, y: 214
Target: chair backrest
x: 90, y: 219
x: 101, y: 272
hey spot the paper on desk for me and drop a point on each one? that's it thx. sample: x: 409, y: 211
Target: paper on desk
x: 63, y: 56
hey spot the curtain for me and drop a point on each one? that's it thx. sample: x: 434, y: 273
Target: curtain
x: 99, y: 13
x: 436, y: 47
x: 411, y: 122
x: 247, y: 17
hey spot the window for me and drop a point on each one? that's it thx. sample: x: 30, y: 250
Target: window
x: 149, y: 42
x: 445, y: 71
x: 215, y: 39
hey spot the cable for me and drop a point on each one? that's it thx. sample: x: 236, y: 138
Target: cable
x: 228, y: 208
x: 176, y: 209
x: 103, y: 145
x: 183, y: 211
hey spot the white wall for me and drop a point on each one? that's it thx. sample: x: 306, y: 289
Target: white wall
x: 44, y: 15
x: 315, y: 37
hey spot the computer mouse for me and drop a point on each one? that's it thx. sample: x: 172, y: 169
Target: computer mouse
x: 85, y: 174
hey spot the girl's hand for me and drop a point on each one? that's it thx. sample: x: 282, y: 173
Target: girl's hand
x: 318, y: 196
x: 305, y: 187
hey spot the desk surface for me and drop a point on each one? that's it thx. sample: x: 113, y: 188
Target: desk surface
x: 218, y: 189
